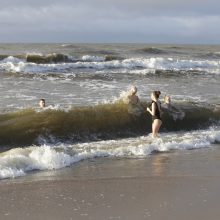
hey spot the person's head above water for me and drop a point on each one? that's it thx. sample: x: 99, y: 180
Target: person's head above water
x: 167, y: 99
x: 42, y: 103
x: 155, y: 95
x: 133, y: 90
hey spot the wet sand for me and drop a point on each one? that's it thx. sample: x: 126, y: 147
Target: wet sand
x: 178, y: 185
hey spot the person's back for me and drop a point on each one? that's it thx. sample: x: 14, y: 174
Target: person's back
x: 133, y: 99
x: 134, y: 104
x: 157, y: 110
x: 172, y: 110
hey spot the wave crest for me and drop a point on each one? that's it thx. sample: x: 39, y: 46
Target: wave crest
x: 19, y: 161
x: 50, y: 58
x: 104, y: 121
x: 12, y: 64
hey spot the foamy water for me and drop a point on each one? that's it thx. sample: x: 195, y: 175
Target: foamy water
x: 149, y: 65
x: 71, y: 76
x: 96, y: 74
x: 20, y: 161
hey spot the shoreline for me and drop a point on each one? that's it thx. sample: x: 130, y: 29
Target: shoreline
x: 127, y: 198
x: 179, y: 185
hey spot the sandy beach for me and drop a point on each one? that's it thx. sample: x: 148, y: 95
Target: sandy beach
x: 177, y: 185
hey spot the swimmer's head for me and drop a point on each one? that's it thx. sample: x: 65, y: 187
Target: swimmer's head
x: 42, y: 103
x: 155, y: 95
x: 133, y: 90
x: 167, y: 99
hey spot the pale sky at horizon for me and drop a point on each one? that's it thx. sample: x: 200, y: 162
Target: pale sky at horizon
x: 112, y: 21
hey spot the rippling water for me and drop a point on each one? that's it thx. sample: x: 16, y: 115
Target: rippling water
x: 84, y: 86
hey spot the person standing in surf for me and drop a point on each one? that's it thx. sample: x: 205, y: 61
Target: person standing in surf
x: 155, y: 111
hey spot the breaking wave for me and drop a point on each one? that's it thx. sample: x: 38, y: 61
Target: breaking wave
x: 108, y: 63
x: 17, y: 162
x: 152, y: 50
x: 106, y: 121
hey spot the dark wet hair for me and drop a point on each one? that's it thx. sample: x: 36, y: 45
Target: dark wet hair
x: 43, y: 100
x: 156, y: 94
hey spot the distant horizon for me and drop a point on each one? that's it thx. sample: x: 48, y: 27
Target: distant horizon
x: 112, y: 43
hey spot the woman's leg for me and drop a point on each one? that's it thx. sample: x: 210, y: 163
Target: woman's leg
x: 154, y: 129
x: 159, y: 123
x: 156, y: 126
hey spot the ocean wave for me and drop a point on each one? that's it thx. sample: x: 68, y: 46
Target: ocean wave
x: 152, y: 50
x: 210, y: 55
x: 69, y: 46
x: 2, y: 56
x: 49, y: 58
x: 103, y: 121
x: 12, y: 64
x: 19, y: 161
x: 12, y: 59
x: 6, y: 57
x: 90, y: 58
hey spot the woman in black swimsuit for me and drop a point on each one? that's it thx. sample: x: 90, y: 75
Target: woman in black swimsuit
x: 155, y: 110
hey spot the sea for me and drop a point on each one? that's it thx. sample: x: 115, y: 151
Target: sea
x: 87, y: 114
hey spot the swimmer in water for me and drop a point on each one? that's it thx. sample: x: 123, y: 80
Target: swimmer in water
x: 133, y: 98
x: 167, y: 102
x: 135, y: 106
x: 42, y: 103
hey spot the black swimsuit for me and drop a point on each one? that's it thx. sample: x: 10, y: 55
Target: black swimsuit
x: 157, y: 112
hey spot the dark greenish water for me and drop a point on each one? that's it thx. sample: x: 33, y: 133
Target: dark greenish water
x: 86, y: 114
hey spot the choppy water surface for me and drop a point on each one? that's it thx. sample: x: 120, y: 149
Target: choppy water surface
x: 84, y: 87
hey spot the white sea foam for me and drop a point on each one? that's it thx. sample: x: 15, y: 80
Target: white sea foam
x: 11, y: 59
x: 56, y: 107
x: 123, y: 96
x: 92, y: 58
x: 18, y: 161
x: 34, y: 53
x: 146, y: 65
